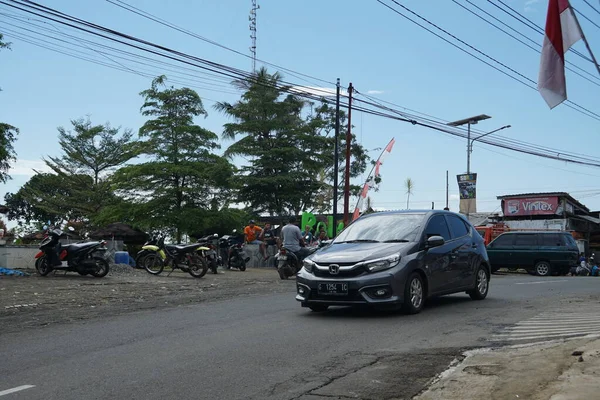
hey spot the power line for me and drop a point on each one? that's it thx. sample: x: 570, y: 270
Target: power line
x: 530, y: 24
x: 587, y: 18
x: 239, y: 74
x: 173, y: 26
x: 529, y: 82
x: 591, y: 6
x: 536, y: 49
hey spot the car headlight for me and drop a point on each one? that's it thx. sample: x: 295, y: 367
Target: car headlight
x: 308, y: 265
x: 380, y: 265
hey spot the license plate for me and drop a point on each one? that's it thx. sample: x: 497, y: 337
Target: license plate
x: 282, y: 258
x: 333, y: 288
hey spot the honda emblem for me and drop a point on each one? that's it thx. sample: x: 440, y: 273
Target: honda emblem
x: 334, y: 269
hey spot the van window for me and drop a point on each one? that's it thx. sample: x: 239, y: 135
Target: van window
x: 503, y: 241
x: 437, y: 226
x: 552, y: 239
x: 457, y: 226
x: 526, y: 240
x: 570, y: 240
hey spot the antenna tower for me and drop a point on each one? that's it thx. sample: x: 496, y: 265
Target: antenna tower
x: 252, y: 19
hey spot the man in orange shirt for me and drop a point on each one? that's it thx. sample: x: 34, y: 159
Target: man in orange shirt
x: 251, y: 232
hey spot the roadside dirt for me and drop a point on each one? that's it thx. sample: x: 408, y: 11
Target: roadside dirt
x: 34, y: 301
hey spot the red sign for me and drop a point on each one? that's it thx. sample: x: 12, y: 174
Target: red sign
x: 530, y: 206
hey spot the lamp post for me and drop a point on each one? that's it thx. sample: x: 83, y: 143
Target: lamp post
x: 469, y: 121
x: 485, y: 134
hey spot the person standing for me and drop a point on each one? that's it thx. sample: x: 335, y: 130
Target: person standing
x: 267, y: 238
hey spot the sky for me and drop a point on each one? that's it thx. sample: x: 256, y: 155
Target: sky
x: 361, y: 42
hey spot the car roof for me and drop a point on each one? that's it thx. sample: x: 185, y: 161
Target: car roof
x: 535, y: 232
x: 413, y: 212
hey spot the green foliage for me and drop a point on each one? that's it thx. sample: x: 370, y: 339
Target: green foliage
x: 409, y: 185
x: 290, y: 167
x: 79, y: 186
x: 183, y: 178
x: 8, y: 135
x: 39, y: 200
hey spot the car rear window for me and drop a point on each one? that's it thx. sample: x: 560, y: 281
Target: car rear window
x: 526, y: 240
x: 552, y: 239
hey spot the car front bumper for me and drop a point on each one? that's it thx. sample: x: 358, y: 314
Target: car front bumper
x: 362, y: 290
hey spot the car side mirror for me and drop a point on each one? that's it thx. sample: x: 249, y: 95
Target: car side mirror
x: 324, y: 243
x: 435, y: 241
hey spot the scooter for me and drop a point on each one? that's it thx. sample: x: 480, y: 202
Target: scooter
x: 210, y: 254
x: 83, y: 258
x: 236, y: 257
x: 288, y: 263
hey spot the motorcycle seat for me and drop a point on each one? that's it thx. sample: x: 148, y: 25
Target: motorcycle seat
x: 72, y: 248
x: 185, y: 248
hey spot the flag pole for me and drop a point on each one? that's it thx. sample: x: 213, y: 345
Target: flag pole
x: 585, y: 41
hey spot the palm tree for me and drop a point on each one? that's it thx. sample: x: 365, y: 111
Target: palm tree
x: 409, y: 184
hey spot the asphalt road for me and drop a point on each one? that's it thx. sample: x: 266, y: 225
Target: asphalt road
x: 266, y: 347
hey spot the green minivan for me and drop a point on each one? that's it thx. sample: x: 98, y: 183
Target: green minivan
x: 542, y: 253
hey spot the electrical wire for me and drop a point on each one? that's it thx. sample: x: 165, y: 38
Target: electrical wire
x: 591, y: 6
x: 536, y: 49
x: 239, y: 74
x: 529, y: 81
x: 587, y: 18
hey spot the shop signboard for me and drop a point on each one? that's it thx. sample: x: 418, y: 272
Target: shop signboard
x: 514, y: 207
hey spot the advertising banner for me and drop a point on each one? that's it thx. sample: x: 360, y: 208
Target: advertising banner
x: 531, y: 206
x: 468, y: 193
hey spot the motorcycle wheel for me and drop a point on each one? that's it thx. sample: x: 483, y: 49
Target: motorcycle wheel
x: 153, y: 264
x: 214, y: 266
x: 243, y: 266
x: 102, y: 268
x: 139, y: 260
x: 198, y: 267
x: 42, y: 266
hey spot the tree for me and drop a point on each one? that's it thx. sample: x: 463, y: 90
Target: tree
x: 37, y: 201
x: 184, y: 179
x: 8, y: 135
x: 409, y: 185
x: 290, y: 155
x: 79, y: 186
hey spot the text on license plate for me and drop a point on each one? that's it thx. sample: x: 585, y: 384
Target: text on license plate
x: 333, y: 288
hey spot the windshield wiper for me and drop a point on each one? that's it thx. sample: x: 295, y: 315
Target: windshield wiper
x: 396, y: 241
x: 360, y: 241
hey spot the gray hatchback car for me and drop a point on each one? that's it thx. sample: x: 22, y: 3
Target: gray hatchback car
x: 396, y: 259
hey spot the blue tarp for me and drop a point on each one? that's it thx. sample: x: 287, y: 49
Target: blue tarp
x: 8, y: 271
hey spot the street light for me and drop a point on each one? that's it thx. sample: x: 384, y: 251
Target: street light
x: 469, y: 121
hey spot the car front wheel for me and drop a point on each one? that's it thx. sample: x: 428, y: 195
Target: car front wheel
x: 482, y: 285
x: 414, y: 294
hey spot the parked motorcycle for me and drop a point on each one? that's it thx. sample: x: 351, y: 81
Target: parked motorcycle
x: 236, y: 256
x: 139, y: 258
x: 184, y: 257
x: 211, y: 255
x: 83, y: 258
x: 288, y: 263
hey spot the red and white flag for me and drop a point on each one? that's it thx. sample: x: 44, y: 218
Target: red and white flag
x: 373, y: 175
x: 562, y: 31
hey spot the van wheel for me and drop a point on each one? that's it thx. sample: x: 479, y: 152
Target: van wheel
x: 542, y: 268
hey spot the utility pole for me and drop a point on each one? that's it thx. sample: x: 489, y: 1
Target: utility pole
x: 348, y: 149
x: 252, y: 19
x: 336, y: 156
x: 469, y: 147
x: 447, y: 189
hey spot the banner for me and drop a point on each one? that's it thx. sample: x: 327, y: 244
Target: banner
x: 468, y: 193
x: 531, y: 206
x: 372, y: 178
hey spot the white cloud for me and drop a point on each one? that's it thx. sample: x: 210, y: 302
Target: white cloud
x: 375, y: 92
x: 531, y: 2
x: 530, y: 10
x: 26, y: 167
x: 318, y: 91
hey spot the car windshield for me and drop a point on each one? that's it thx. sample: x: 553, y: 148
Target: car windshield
x: 382, y: 228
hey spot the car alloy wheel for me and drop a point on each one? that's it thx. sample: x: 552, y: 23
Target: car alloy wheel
x: 416, y: 293
x: 482, y: 282
x: 542, y: 268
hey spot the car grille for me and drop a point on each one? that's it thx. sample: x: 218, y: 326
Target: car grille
x: 342, y: 274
